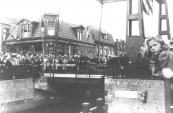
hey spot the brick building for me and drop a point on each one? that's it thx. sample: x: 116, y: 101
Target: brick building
x: 67, y: 38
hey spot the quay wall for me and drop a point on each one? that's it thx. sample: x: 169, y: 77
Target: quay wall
x: 19, y: 94
x: 138, y: 95
x: 16, y: 89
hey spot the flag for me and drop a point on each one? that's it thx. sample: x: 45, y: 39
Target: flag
x: 147, y: 6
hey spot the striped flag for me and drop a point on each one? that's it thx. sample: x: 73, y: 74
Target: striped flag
x: 148, y: 6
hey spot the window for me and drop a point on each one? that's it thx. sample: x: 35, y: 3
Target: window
x: 51, y: 28
x: 66, y: 51
x: 38, y: 48
x: 112, y: 51
x: 79, y: 35
x: 51, y: 49
x: 74, y: 49
x: 101, y: 51
x: 12, y: 50
x: 105, y: 50
x: 25, y: 49
x: 105, y: 37
x: 26, y: 30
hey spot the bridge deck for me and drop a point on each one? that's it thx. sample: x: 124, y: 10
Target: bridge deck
x: 72, y: 78
x: 72, y: 75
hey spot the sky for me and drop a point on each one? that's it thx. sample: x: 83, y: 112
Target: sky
x: 85, y: 12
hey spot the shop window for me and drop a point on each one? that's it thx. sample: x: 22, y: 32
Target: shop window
x: 105, y: 51
x: 112, y: 51
x: 12, y: 50
x: 38, y: 48
x: 25, y: 49
x: 101, y: 51
x: 50, y: 50
x: 74, y: 49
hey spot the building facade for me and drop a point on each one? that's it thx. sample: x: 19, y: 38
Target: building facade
x: 57, y: 37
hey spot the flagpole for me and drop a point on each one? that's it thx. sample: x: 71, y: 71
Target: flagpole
x: 100, y: 30
x: 42, y: 28
x: 56, y: 38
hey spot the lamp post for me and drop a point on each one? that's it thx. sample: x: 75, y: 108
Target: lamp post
x: 56, y: 38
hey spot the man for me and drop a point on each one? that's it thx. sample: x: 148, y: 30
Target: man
x: 140, y: 56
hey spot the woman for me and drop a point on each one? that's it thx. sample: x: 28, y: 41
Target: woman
x: 159, y: 53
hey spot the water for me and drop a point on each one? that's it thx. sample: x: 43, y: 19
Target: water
x: 53, y: 108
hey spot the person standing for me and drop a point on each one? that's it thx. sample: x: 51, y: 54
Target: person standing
x: 140, y: 56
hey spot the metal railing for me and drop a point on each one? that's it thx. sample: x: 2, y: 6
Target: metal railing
x: 129, y: 71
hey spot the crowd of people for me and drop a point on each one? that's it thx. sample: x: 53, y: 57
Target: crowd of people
x: 10, y: 60
x: 50, y: 63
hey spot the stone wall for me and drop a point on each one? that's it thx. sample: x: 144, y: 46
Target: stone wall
x: 126, y: 96
x: 16, y: 89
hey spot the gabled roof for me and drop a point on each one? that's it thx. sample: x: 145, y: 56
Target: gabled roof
x: 13, y: 34
x: 24, y: 19
x: 95, y: 35
x: 77, y: 26
x: 66, y: 31
x: 38, y: 31
x: 86, y: 37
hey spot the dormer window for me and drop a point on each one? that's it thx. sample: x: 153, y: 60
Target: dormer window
x: 5, y: 32
x: 25, y: 30
x: 105, y: 37
x: 79, y: 35
x: 51, y: 28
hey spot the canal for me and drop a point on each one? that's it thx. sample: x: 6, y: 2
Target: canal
x: 53, y: 108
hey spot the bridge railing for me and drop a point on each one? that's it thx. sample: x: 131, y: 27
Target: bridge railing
x: 129, y: 71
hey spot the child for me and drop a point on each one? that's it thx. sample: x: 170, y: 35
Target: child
x: 158, y: 51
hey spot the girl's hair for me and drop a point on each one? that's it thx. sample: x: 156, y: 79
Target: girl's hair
x: 158, y: 39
